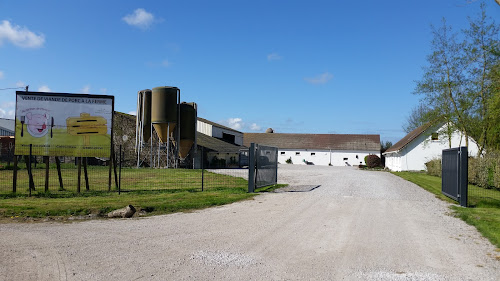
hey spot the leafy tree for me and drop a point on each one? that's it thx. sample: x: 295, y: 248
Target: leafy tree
x: 480, y: 45
x: 419, y: 115
x: 457, y: 85
x: 444, y: 79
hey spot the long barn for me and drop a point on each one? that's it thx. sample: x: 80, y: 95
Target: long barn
x: 318, y: 149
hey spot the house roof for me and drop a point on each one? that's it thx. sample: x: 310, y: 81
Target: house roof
x: 216, y: 144
x: 217, y: 125
x: 314, y: 141
x: 408, y: 138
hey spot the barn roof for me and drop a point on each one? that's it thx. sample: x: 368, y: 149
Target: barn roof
x: 408, y: 138
x: 315, y: 141
x: 216, y: 144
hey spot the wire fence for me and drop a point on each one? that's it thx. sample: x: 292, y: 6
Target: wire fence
x: 75, y: 176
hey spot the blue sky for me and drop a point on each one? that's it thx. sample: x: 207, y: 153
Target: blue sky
x: 344, y: 67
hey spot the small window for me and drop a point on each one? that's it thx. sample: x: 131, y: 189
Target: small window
x: 313, y: 153
x: 282, y: 153
x: 345, y: 159
x: 435, y: 136
x: 357, y: 157
x: 297, y: 153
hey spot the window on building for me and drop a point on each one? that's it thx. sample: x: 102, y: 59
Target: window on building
x: 435, y: 136
x: 345, y: 159
x: 357, y: 157
x: 282, y: 153
x: 313, y: 153
x: 297, y: 153
x: 228, y: 138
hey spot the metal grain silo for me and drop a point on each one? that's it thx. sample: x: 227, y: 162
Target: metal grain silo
x: 164, y: 102
x: 188, y: 120
x: 143, y: 118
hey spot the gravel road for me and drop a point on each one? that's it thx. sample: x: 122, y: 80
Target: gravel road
x: 357, y: 225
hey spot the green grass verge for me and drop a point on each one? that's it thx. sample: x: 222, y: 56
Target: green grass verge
x: 155, y: 203
x: 484, y: 210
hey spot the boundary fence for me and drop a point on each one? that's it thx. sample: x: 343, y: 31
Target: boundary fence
x: 70, y: 176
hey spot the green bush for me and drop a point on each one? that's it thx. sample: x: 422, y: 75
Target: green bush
x: 434, y: 167
x: 372, y: 161
x: 289, y: 161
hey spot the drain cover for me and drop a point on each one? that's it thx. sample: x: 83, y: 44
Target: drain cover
x: 297, y: 188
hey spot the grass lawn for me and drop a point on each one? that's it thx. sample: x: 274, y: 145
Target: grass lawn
x: 484, y: 210
x: 154, y: 191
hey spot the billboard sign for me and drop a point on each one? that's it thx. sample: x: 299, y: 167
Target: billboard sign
x: 59, y: 124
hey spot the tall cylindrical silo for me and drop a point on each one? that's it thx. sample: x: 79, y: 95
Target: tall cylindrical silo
x: 164, y: 110
x: 187, y: 128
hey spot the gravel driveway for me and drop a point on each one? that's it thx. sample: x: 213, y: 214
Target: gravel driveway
x: 357, y: 225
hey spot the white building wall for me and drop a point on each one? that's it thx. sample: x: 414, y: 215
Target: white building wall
x: 324, y: 157
x: 423, y: 149
x: 217, y: 133
x: 204, y: 128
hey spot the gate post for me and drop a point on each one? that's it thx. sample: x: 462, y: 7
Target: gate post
x: 251, y: 168
x: 463, y: 175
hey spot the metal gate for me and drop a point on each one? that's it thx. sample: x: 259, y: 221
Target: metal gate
x: 454, y: 174
x: 262, y: 165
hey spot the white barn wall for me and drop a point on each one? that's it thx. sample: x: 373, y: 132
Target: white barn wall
x: 422, y: 149
x: 204, y: 128
x: 217, y: 133
x: 324, y: 157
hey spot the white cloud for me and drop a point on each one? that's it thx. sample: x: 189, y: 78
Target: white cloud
x: 320, y: 79
x: 20, y: 84
x: 44, y: 88
x: 20, y: 36
x: 235, y: 123
x: 132, y: 112
x: 104, y: 91
x: 273, y: 56
x: 255, y: 127
x: 1, y: 74
x: 86, y: 89
x: 139, y: 18
x: 7, y: 110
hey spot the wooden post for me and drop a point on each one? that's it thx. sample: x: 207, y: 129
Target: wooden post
x: 58, y: 164
x: 79, y: 174
x: 110, y: 168
x: 27, y: 160
x: 46, y: 160
x: 114, y: 167
x: 14, y: 180
x: 85, y: 174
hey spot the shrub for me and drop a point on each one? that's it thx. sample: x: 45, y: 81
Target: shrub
x: 434, y: 167
x: 289, y: 161
x: 372, y: 161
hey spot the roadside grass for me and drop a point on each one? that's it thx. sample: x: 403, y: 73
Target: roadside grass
x: 152, y: 202
x: 484, y: 204
x: 151, y: 191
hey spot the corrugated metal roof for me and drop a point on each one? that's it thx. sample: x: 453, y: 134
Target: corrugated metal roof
x: 315, y: 141
x: 8, y: 124
x: 216, y: 144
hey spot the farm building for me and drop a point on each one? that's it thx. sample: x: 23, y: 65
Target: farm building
x: 422, y: 145
x: 7, y: 127
x: 318, y: 149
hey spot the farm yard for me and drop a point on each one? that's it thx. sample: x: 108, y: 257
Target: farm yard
x: 356, y: 225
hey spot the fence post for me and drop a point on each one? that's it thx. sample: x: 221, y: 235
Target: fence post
x: 14, y: 180
x: 46, y: 160
x: 251, y: 168
x: 30, y: 175
x: 202, y: 169
x: 120, y: 173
